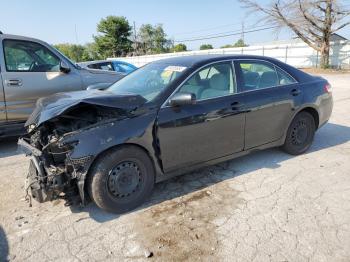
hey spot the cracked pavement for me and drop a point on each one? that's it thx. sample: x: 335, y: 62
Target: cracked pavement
x: 267, y: 206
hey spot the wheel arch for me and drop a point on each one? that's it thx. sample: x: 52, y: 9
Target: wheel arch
x: 114, y: 147
x: 308, y: 108
x: 312, y: 111
x: 100, y: 154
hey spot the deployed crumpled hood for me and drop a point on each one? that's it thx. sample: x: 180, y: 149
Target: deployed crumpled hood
x: 55, y: 105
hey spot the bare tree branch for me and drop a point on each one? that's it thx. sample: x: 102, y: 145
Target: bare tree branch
x: 340, y: 27
x: 308, y: 17
x: 313, y: 21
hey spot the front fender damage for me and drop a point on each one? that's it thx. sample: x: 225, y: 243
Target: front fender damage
x: 55, y: 170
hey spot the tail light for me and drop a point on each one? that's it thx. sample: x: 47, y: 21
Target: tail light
x: 327, y: 88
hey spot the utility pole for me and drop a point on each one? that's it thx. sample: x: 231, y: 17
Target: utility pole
x: 242, y: 34
x: 135, y: 40
x: 76, y: 34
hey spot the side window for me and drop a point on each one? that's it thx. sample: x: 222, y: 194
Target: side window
x: 126, y: 68
x: 213, y: 81
x: 284, y: 78
x: 25, y: 56
x: 94, y: 66
x: 203, y: 74
x: 118, y: 68
x: 106, y: 66
x: 101, y: 66
x: 258, y: 75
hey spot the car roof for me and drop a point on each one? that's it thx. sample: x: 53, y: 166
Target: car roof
x: 195, y: 61
x: 20, y: 37
x: 192, y: 60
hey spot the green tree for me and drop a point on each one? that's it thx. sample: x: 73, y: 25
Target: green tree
x: 114, y: 36
x: 206, y: 47
x: 91, y: 52
x: 72, y: 51
x: 153, y: 39
x: 179, y: 48
x: 227, y: 46
x: 240, y: 43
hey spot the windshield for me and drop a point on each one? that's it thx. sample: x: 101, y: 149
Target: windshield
x: 148, y: 81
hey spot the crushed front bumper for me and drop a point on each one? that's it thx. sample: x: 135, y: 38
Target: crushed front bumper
x: 36, y: 176
x: 47, y: 181
x: 35, y: 183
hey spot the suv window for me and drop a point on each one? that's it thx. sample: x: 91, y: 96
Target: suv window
x: 25, y: 56
x: 213, y: 81
x: 259, y: 75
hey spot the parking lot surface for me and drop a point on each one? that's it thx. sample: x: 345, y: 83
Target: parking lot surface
x: 267, y: 206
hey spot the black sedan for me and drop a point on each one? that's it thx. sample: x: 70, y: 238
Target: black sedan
x: 167, y: 118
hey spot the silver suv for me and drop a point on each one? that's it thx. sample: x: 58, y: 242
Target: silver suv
x: 30, y: 69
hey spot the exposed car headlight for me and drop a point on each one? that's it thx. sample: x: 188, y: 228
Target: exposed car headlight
x: 31, y: 128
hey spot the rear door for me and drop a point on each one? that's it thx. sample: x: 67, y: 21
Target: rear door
x: 32, y: 71
x: 270, y: 96
x: 209, y: 129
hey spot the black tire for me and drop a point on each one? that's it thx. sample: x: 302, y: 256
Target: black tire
x: 300, y: 134
x: 111, y: 180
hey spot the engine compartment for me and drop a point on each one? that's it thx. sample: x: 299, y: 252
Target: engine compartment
x: 53, y: 174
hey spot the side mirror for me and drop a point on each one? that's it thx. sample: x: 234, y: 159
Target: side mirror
x: 99, y: 86
x: 181, y: 99
x: 64, y: 67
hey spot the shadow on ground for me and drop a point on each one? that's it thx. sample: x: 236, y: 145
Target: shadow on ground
x: 8, y: 147
x: 328, y: 136
x: 4, y: 247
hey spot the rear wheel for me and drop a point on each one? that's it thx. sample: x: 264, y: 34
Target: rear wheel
x: 121, y: 179
x: 300, y: 134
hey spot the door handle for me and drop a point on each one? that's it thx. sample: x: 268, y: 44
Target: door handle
x: 295, y: 92
x: 14, y: 82
x: 236, y: 106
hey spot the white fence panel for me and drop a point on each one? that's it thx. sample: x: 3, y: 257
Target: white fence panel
x: 295, y: 53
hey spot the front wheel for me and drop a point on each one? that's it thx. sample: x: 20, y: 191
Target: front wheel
x: 300, y: 134
x: 121, y: 179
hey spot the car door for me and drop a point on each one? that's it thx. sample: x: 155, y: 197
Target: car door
x: 270, y: 96
x: 2, y: 102
x: 2, y: 95
x: 32, y: 71
x: 213, y: 127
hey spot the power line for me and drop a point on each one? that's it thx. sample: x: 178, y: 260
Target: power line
x: 205, y: 30
x: 241, y: 30
x: 209, y: 29
x: 226, y: 35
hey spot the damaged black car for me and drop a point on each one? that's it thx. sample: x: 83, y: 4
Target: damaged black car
x: 167, y: 118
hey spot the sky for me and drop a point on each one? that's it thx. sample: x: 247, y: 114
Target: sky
x: 75, y: 21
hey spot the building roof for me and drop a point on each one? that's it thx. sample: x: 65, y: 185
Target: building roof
x: 337, y: 37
